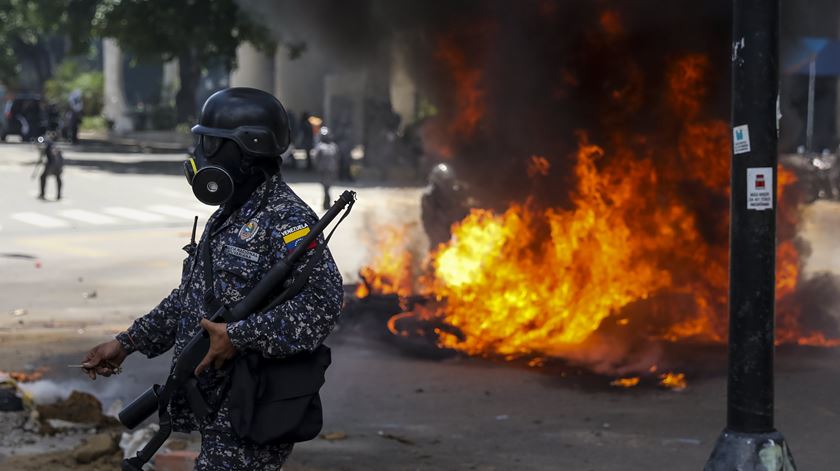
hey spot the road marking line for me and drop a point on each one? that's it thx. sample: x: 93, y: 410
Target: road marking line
x: 172, y: 211
x: 135, y: 214
x: 88, y: 217
x: 40, y: 220
x: 172, y: 193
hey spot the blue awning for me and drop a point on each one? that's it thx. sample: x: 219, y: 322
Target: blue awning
x: 797, y: 56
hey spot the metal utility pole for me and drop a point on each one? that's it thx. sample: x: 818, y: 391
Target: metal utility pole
x: 750, y: 442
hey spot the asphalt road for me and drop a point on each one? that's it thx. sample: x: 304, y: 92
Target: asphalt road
x: 74, y: 272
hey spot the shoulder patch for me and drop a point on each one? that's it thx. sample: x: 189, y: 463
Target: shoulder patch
x: 249, y: 230
x: 293, y: 235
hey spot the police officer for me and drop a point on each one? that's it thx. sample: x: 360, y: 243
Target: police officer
x: 53, y: 162
x: 240, y: 136
x: 444, y: 203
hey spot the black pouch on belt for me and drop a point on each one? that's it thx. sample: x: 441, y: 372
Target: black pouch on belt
x: 277, y: 400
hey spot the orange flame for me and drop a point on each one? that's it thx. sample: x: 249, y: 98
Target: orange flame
x: 391, y: 269
x: 626, y: 382
x: 535, y: 281
x: 673, y: 381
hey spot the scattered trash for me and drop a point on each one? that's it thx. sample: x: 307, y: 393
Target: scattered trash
x: 37, y: 264
x: 333, y: 436
x: 89, y: 294
x: 80, y: 331
x: 19, y: 312
x: 12, y: 397
x: 10, y: 401
x: 605, y: 425
x: 95, y: 447
x: 132, y: 442
x: 502, y: 417
x: 390, y: 436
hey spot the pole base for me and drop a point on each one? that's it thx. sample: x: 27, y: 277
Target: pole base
x: 750, y: 452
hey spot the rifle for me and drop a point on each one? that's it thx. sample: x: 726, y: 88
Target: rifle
x: 183, y: 378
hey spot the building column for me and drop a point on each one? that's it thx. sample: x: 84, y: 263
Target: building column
x: 115, y: 109
x: 170, y: 82
x: 253, y: 69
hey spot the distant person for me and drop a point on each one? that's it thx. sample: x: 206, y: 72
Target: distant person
x: 307, y: 137
x: 345, y: 148
x: 294, y: 127
x: 444, y: 203
x: 53, y: 165
x: 74, y: 116
x: 326, y: 161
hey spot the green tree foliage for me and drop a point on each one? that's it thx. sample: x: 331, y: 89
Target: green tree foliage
x: 69, y: 76
x: 199, y: 33
x: 24, y: 25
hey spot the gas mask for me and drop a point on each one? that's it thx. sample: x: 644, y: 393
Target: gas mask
x: 216, y: 170
x: 219, y: 166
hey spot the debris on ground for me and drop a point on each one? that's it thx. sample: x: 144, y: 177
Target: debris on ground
x: 95, y: 447
x: 89, y: 294
x: 390, y: 436
x: 132, y: 442
x: 19, y: 312
x: 333, y: 436
x: 80, y: 410
x: 12, y: 398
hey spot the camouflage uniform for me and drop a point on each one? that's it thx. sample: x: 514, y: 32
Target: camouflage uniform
x: 243, y: 248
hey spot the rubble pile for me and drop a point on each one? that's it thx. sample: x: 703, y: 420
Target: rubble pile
x: 69, y: 434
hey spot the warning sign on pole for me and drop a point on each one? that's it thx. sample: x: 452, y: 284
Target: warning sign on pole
x: 760, y: 188
x: 741, y: 139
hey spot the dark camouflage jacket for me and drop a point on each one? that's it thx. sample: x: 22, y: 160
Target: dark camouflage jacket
x: 243, y: 249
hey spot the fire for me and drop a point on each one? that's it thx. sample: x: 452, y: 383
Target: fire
x: 626, y: 382
x: 637, y: 253
x: 537, y: 280
x: 391, y: 268
x: 538, y: 166
x: 673, y: 381
x: 470, y: 91
x: 27, y: 377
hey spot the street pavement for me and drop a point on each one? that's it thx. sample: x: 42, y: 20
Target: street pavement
x: 74, y: 272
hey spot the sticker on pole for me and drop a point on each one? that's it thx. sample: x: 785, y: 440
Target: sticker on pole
x: 760, y: 188
x: 741, y: 139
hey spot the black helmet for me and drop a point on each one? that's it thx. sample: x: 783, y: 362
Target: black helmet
x: 252, y: 118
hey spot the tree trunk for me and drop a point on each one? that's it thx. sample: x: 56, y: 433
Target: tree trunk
x: 189, y: 73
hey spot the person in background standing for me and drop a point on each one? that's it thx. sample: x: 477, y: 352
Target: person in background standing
x: 326, y: 161
x: 53, y: 165
x: 307, y: 138
x: 76, y: 104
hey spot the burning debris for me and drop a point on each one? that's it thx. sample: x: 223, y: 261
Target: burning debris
x: 616, y: 242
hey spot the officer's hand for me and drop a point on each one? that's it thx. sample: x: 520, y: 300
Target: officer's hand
x: 221, y: 349
x: 104, y: 359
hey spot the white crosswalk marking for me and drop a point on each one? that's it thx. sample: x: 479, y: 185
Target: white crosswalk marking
x: 88, y: 217
x: 134, y: 214
x: 40, y: 220
x: 172, y: 193
x: 172, y: 211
